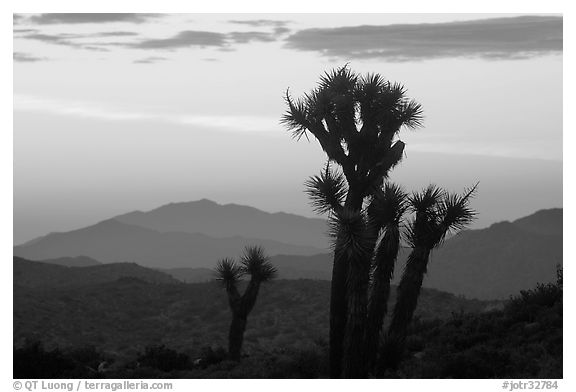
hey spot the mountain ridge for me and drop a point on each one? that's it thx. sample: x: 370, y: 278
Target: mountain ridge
x: 113, y: 241
x: 224, y: 220
x: 490, y: 263
x: 41, y: 275
x: 487, y: 263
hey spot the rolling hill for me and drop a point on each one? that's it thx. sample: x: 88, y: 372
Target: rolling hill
x: 128, y: 314
x: 36, y: 275
x: 78, y: 261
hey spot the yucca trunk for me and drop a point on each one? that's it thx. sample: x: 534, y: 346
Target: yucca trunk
x: 337, y: 314
x: 236, y: 335
x: 384, y: 260
x: 354, y: 362
x: 408, y: 292
x: 338, y: 295
x: 241, y: 308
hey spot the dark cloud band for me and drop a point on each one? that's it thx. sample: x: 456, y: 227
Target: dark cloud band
x: 502, y: 38
x: 184, y: 39
x: 90, y: 18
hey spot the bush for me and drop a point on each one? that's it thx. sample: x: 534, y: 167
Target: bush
x: 33, y: 361
x: 163, y: 358
x: 209, y: 356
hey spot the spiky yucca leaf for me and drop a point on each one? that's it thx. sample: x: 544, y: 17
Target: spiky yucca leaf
x: 319, y: 104
x: 455, y: 212
x: 352, y: 237
x: 339, y: 81
x: 296, y: 117
x: 437, y: 213
x: 411, y: 114
x: 426, y: 200
x: 422, y: 229
x: 387, y: 205
x: 327, y: 191
x: 228, y: 272
x: 255, y: 263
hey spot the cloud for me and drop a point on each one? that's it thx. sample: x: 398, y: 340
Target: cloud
x: 224, y: 122
x: 115, y: 34
x: 150, y: 60
x: 27, y: 58
x: 90, y: 18
x: 69, y: 40
x: 202, y: 39
x: 94, y: 48
x: 250, y: 36
x: 60, y: 39
x: 261, y: 22
x: 281, y: 30
x: 279, y: 26
x: 23, y: 31
x: 497, y: 38
x: 183, y: 39
x: 56, y: 39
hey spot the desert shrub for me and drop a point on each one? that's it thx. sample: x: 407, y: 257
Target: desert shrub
x: 478, y: 362
x: 34, y: 361
x: 88, y: 356
x: 210, y: 356
x: 163, y: 358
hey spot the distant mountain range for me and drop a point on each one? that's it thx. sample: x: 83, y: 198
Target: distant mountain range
x: 489, y: 263
x: 113, y: 241
x: 500, y: 260
x: 231, y: 220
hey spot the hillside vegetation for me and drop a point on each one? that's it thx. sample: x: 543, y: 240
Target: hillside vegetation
x: 158, y: 330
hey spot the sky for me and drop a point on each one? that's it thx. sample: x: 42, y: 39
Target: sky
x: 122, y: 112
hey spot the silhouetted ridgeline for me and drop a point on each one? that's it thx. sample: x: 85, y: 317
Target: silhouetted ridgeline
x: 38, y: 275
x: 78, y: 261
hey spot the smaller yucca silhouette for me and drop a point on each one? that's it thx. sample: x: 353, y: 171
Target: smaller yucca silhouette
x: 255, y: 263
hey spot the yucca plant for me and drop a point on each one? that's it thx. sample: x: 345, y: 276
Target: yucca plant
x: 255, y: 263
x: 437, y: 212
x: 356, y: 119
x: 386, y: 211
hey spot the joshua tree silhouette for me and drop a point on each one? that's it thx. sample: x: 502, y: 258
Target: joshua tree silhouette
x: 256, y: 264
x: 357, y: 119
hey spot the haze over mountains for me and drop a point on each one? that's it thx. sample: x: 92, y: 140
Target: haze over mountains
x: 114, y: 241
x: 231, y: 220
x: 181, y: 240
